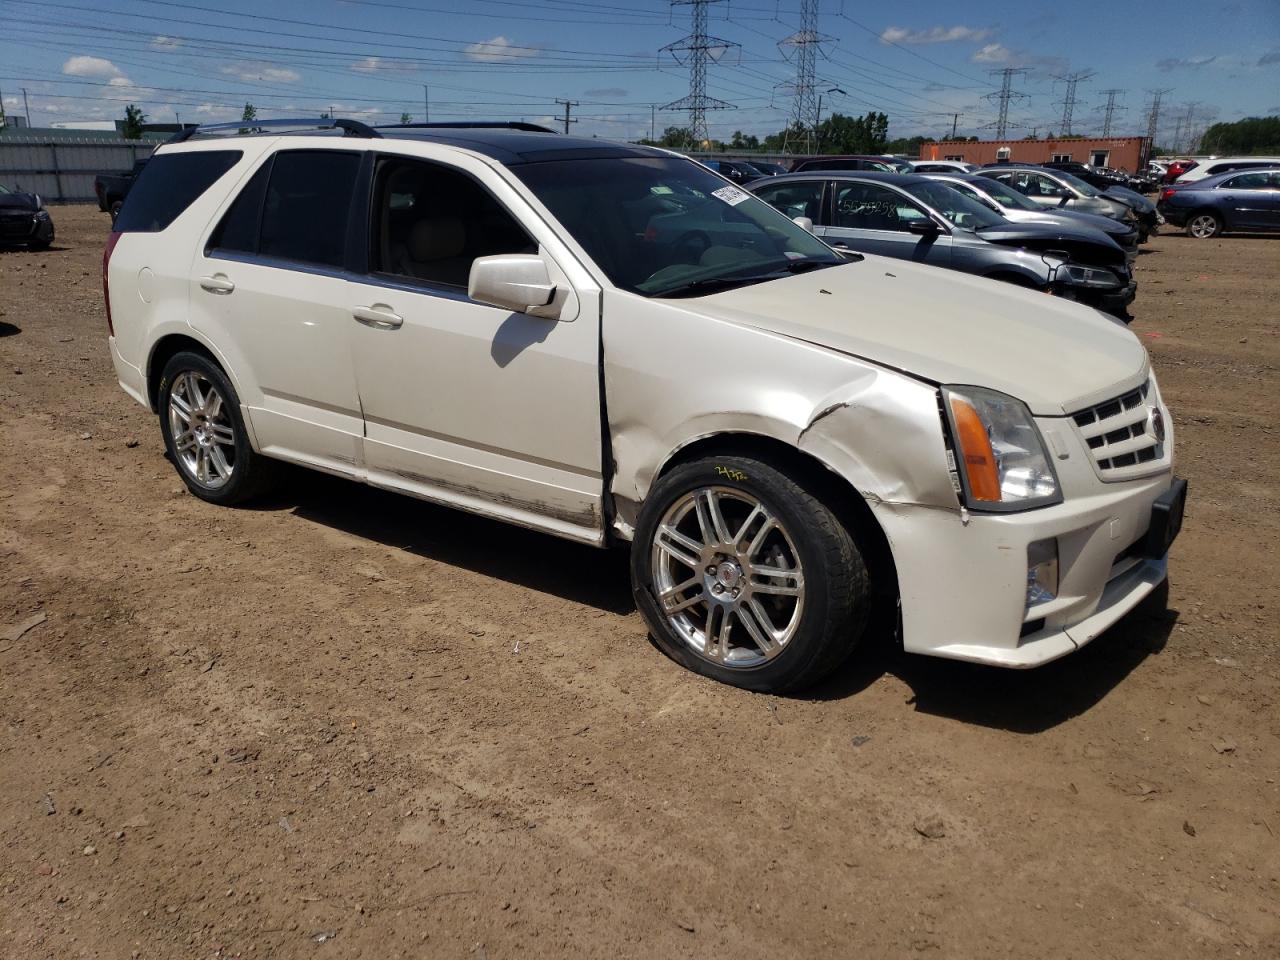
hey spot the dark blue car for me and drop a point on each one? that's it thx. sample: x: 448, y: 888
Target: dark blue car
x: 1246, y: 200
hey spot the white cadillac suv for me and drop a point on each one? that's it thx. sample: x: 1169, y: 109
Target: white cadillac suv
x: 612, y: 344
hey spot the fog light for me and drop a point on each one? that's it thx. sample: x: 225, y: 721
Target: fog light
x: 1042, y: 572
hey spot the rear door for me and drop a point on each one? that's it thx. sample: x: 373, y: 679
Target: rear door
x: 269, y: 286
x: 472, y: 405
x: 872, y: 218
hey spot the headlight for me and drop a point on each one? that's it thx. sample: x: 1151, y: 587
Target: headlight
x: 999, y: 461
x: 39, y: 202
x: 1079, y: 276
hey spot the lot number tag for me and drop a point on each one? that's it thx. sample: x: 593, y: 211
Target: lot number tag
x: 730, y: 195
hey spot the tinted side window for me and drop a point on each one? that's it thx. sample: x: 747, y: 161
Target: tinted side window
x: 430, y: 222
x: 308, y: 198
x: 865, y: 206
x: 802, y: 199
x: 238, y: 230
x: 167, y: 185
x: 1248, y: 181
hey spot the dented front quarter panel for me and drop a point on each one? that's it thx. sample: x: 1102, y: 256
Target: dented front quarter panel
x: 674, y: 376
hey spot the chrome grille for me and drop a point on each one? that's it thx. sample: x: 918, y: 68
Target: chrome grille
x: 1122, y: 434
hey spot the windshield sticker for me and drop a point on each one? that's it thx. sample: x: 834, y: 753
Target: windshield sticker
x: 730, y: 195
x: 660, y: 190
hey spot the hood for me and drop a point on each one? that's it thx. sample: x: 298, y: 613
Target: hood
x: 1112, y: 228
x: 947, y: 327
x: 17, y: 201
x: 1085, y: 245
x: 1130, y: 198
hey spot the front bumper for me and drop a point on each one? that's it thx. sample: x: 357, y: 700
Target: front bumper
x: 24, y: 227
x: 963, y: 584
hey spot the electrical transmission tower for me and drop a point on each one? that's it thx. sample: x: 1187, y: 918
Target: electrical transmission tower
x: 1005, y: 94
x: 803, y: 47
x: 1069, y: 98
x: 1109, y: 109
x: 1153, y: 113
x: 696, y: 49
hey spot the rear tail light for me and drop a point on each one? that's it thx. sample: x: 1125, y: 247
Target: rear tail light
x: 1166, y: 193
x: 106, y: 287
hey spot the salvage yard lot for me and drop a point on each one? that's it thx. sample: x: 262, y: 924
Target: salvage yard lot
x: 346, y: 723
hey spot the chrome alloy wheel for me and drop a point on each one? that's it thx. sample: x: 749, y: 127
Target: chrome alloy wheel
x: 727, y: 577
x: 204, y: 436
x: 1203, y: 227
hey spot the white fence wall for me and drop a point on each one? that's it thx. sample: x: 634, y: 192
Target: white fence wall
x: 63, y: 170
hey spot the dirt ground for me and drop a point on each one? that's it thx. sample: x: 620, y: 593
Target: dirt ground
x: 344, y: 723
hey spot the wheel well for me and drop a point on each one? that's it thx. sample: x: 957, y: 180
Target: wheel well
x: 162, y: 353
x: 839, y: 495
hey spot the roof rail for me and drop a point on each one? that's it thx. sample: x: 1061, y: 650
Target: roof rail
x: 350, y: 128
x: 469, y: 125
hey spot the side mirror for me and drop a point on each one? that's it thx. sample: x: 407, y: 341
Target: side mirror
x: 803, y: 223
x: 516, y: 282
x: 924, y: 227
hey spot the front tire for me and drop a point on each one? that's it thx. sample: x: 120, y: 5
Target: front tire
x: 1204, y: 225
x: 745, y: 577
x: 204, y: 432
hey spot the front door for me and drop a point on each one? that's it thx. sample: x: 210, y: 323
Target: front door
x: 475, y: 406
x: 1252, y: 201
x: 871, y: 218
x: 269, y: 287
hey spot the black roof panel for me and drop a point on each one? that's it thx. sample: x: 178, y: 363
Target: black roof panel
x: 513, y: 147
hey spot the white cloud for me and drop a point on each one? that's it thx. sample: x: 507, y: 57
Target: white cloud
x: 992, y: 53
x: 1183, y: 63
x: 381, y: 65
x: 165, y: 43
x: 85, y: 66
x: 498, y: 50
x: 250, y: 72
x: 934, y: 34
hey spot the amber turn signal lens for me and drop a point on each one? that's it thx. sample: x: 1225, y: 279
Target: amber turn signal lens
x: 975, y: 452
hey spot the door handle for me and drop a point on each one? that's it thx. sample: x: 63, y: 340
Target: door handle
x: 218, y: 283
x: 379, y: 315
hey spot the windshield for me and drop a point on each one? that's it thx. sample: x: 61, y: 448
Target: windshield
x: 899, y: 165
x: 1077, y: 184
x: 660, y: 225
x: 1006, y: 196
x: 955, y: 206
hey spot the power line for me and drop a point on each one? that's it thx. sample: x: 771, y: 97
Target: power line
x: 1005, y: 94
x: 1153, y: 113
x: 696, y: 49
x: 1069, y: 98
x: 568, y: 105
x: 1109, y: 109
x: 805, y: 45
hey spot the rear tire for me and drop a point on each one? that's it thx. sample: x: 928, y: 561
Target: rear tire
x: 204, y: 432
x: 745, y: 577
x: 114, y: 210
x: 1204, y: 225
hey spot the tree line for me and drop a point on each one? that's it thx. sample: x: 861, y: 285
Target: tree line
x: 837, y: 134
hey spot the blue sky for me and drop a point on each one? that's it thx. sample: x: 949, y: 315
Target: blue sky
x: 919, y: 62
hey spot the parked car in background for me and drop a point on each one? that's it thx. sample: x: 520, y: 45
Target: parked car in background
x: 24, y: 220
x: 1247, y: 200
x: 881, y: 164
x: 1217, y: 165
x: 793, y: 443
x: 736, y: 170
x: 768, y: 168
x: 1055, y: 188
x: 1177, y: 168
x: 912, y: 217
x: 1099, y: 177
x: 1012, y: 205
x: 943, y: 166
x: 112, y: 188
